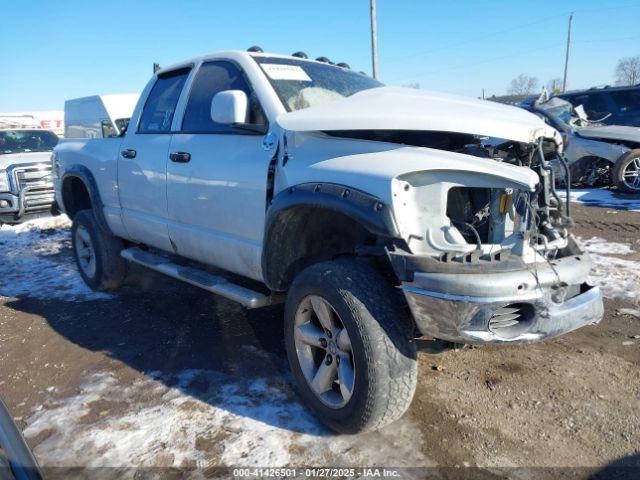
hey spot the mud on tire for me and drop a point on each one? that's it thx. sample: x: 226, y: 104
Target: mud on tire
x: 383, y: 352
x: 97, y: 253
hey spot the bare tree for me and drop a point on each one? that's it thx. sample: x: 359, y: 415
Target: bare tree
x: 523, y: 85
x: 628, y: 71
x: 412, y: 85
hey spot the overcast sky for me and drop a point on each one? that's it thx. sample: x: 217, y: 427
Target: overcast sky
x: 52, y: 51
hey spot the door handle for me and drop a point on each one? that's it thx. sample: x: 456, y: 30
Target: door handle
x: 128, y: 153
x: 180, y: 157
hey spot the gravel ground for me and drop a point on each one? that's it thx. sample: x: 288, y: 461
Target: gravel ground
x: 161, y: 374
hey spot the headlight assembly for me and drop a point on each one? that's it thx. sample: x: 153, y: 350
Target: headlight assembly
x: 4, y: 181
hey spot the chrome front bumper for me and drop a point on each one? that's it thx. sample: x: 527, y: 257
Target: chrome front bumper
x: 507, y: 307
x: 31, y: 201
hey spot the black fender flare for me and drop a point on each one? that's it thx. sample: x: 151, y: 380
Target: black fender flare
x: 82, y: 173
x: 369, y: 211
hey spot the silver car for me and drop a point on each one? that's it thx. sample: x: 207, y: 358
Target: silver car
x: 597, y: 154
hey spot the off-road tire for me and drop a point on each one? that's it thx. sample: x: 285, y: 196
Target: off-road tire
x: 618, y: 170
x: 381, y: 333
x: 110, y: 267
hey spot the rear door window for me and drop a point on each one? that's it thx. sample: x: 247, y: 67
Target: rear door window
x: 627, y: 100
x: 212, y: 78
x: 160, y: 106
x: 594, y: 104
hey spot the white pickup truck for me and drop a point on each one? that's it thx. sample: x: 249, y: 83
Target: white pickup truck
x: 377, y: 214
x: 26, y: 184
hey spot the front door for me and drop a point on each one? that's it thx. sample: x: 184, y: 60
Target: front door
x: 217, y: 192
x: 142, y: 164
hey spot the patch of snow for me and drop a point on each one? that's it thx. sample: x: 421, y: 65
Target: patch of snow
x: 203, y: 418
x: 604, y: 198
x: 617, y: 277
x: 33, y: 262
x: 605, y: 247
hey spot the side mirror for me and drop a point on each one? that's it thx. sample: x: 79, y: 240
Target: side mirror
x: 230, y: 107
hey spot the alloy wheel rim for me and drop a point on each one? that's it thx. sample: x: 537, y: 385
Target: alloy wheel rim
x: 85, y: 252
x: 324, y: 351
x: 631, y: 174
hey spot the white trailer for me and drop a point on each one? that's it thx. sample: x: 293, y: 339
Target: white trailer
x: 98, y: 116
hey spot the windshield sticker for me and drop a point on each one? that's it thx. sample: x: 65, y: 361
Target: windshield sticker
x: 277, y: 71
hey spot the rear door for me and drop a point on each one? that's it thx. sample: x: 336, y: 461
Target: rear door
x: 627, y: 107
x: 594, y: 103
x: 217, y: 198
x: 142, y: 164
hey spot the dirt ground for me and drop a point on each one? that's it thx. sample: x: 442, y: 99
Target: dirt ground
x: 163, y: 374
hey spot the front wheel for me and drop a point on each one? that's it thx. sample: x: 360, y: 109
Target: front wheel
x: 626, y: 173
x: 350, y: 346
x: 97, y: 253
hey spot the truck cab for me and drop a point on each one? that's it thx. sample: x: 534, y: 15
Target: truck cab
x: 376, y: 214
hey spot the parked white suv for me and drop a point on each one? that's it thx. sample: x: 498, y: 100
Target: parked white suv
x: 354, y: 199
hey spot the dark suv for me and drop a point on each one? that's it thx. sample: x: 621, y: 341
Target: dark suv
x: 622, y: 104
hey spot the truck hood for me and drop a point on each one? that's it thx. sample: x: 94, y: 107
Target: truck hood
x: 8, y: 159
x: 610, y: 132
x: 395, y: 108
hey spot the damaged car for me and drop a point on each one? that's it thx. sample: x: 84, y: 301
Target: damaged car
x: 597, y: 154
x: 376, y: 214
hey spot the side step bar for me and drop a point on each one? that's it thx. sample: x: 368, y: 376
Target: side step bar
x: 200, y: 278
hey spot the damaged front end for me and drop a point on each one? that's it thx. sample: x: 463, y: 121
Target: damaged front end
x: 489, y: 257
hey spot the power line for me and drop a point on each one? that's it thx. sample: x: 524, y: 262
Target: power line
x: 505, y: 57
x: 475, y: 39
x: 509, y: 29
x: 605, y: 40
x: 489, y: 60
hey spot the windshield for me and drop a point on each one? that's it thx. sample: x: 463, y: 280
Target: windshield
x: 304, y: 83
x: 23, y: 141
x: 560, y: 111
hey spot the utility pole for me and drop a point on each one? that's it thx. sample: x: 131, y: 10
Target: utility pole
x: 374, y: 40
x: 566, y: 58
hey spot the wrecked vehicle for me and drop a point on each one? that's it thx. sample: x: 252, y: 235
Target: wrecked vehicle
x: 26, y: 185
x: 309, y: 183
x: 597, y: 154
x: 611, y: 105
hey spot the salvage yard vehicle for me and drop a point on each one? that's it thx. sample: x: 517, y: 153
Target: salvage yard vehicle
x: 376, y: 213
x: 597, y: 155
x: 26, y: 184
x: 611, y: 105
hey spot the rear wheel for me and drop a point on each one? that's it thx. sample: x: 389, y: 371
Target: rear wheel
x: 626, y: 173
x: 97, y: 253
x: 349, y: 344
